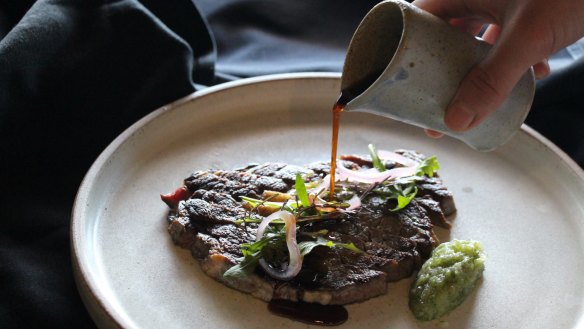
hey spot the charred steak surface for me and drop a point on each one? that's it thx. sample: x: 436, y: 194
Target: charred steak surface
x: 394, y: 244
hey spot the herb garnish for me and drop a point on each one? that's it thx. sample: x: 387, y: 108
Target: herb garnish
x: 403, y: 190
x: 301, y: 191
x: 271, y: 244
x: 428, y: 167
x: 377, y: 163
x: 403, y: 194
x: 271, y: 247
x: 290, y: 206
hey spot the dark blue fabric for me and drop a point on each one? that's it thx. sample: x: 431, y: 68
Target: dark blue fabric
x: 257, y: 37
x: 73, y: 75
x: 558, y: 110
x: 76, y: 73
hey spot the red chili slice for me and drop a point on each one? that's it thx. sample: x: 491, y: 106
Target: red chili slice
x: 172, y: 199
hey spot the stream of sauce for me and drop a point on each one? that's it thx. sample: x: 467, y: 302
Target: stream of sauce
x: 345, y: 97
x: 337, y: 109
x: 317, y: 314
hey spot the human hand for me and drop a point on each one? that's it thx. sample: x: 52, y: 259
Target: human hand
x: 523, y: 33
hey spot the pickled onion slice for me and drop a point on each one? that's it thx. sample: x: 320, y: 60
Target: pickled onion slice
x: 295, y: 263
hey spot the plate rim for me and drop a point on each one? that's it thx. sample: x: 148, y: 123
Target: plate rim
x: 102, y: 312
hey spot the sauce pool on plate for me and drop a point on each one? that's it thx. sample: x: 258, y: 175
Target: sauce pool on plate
x: 316, y: 314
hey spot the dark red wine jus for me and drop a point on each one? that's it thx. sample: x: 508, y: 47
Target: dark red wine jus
x: 316, y: 314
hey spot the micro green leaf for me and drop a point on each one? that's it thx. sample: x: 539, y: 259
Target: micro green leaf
x: 246, y: 265
x: 276, y: 205
x: 428, y: 167
x: 253, y: 252
x: 402, y: 193
x: 307, y: 246
x: 247, y: 220
x: 301, y: 191
x: 405, y: 198
x: 377, y: 163
x: 351, y: 246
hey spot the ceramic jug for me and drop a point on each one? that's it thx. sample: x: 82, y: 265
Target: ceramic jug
x: 406, y: 64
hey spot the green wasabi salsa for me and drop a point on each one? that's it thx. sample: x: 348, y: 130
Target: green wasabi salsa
x: 447, y: 278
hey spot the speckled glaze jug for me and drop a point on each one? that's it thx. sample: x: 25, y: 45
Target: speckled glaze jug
x: 406, y: 64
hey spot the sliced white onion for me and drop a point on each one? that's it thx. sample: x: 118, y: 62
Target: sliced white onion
x: 295, y: 263
x: 369, y: 171
x: 395, y: 157
x: 371, y: 177
x: 354, y: 202
x: 403, y: 172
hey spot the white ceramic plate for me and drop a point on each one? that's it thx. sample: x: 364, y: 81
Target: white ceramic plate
x: 525, y: 202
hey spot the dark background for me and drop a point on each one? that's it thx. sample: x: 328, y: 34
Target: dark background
x: 75, y: 73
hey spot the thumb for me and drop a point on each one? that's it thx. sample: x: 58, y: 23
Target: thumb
x: 488, y: 84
